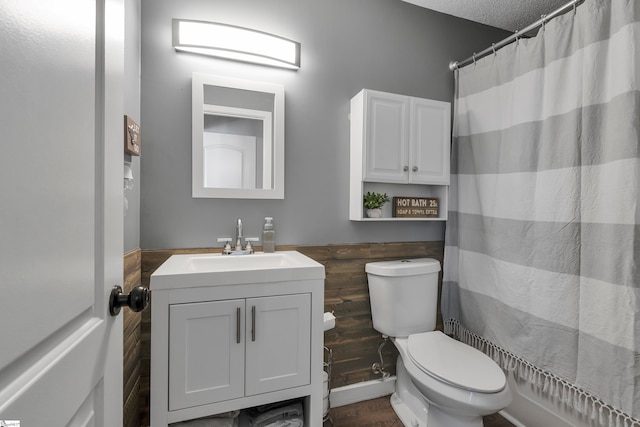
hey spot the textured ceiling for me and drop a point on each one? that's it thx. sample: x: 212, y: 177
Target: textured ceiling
x: 509, y: 15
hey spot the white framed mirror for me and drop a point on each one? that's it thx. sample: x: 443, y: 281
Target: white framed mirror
x: 237, y: 138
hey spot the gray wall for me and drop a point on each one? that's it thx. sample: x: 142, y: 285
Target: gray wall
x: 132, y: 109
x: 347, y: 45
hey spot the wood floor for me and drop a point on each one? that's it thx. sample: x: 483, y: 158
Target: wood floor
x: 378, y: 413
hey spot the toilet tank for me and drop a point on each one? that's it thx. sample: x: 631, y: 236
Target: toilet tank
x: 404, y: 295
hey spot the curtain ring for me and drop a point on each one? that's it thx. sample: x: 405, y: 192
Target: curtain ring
x: 474, y: 58
x: 493, y: 47
x: 517, y: 38
x: 574, y: 6
x: 544, y: 21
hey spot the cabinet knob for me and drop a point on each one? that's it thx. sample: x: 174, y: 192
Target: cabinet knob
x: 406, y: 168
x: 415, y: 169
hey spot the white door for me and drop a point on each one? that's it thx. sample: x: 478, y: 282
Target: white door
x: 229, y: 160
x: 61, y: 134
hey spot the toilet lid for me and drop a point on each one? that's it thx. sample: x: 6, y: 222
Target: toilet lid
x: 455, y: 363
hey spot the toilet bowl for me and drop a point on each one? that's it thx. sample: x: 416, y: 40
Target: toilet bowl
x: 440, y: 382
x: 457, y: 393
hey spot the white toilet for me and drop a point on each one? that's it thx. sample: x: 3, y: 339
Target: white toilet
x: 440, y: 382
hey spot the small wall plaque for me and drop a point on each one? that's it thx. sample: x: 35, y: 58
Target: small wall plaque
x: 415, y: 207
x: 132, y: 143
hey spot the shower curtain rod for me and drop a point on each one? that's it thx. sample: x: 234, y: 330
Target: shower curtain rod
x: 453, y: 65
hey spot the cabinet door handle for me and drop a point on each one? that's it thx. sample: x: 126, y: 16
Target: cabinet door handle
x: 253, y: 323
x: 405, y: 168
x: 415, y: 169
x: 238, y: 325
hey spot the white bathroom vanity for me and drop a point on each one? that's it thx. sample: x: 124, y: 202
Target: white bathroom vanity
x: 233, y: 332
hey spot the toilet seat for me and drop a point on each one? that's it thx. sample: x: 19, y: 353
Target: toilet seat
x: 455, y: 363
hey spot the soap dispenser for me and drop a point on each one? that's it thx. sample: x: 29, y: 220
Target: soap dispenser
x: 268, y: 236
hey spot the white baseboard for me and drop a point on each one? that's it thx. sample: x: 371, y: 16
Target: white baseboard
x: 511, y: 419
x: 367, y: 390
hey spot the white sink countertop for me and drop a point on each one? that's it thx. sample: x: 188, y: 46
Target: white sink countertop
x: 197, y: 270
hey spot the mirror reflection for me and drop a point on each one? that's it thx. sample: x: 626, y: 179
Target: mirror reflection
x: 238, y: 141
x: 233, y: 142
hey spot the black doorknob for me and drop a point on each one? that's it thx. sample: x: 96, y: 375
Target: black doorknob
x: 136, y: 300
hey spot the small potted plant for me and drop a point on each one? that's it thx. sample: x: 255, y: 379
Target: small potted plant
x: 373, y: 202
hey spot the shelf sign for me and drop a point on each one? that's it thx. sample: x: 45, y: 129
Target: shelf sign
x: 415, y: 207
x: 132, y: 143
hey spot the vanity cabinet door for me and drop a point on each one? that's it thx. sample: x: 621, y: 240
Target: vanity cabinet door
x: 278, y: 343
x: 386, y: 137
x: 206, y: 352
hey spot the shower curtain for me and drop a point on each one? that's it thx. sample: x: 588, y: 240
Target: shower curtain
x: 542, y: 247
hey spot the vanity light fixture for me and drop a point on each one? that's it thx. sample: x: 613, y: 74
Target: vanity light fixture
x: 236, y: 43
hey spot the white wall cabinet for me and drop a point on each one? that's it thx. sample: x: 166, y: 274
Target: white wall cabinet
x: 401, y: 140
x: 218, y: 346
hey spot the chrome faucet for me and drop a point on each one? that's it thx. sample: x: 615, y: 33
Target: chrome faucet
x: 238, y: 249
x: 239, y: 235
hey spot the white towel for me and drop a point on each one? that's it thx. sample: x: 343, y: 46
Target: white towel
x: 294, y: 421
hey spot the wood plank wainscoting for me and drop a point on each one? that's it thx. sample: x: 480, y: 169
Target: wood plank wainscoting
x: 132, y: 343
x: 353, y: 341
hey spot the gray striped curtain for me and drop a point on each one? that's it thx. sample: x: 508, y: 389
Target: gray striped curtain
x: 542, y: 252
